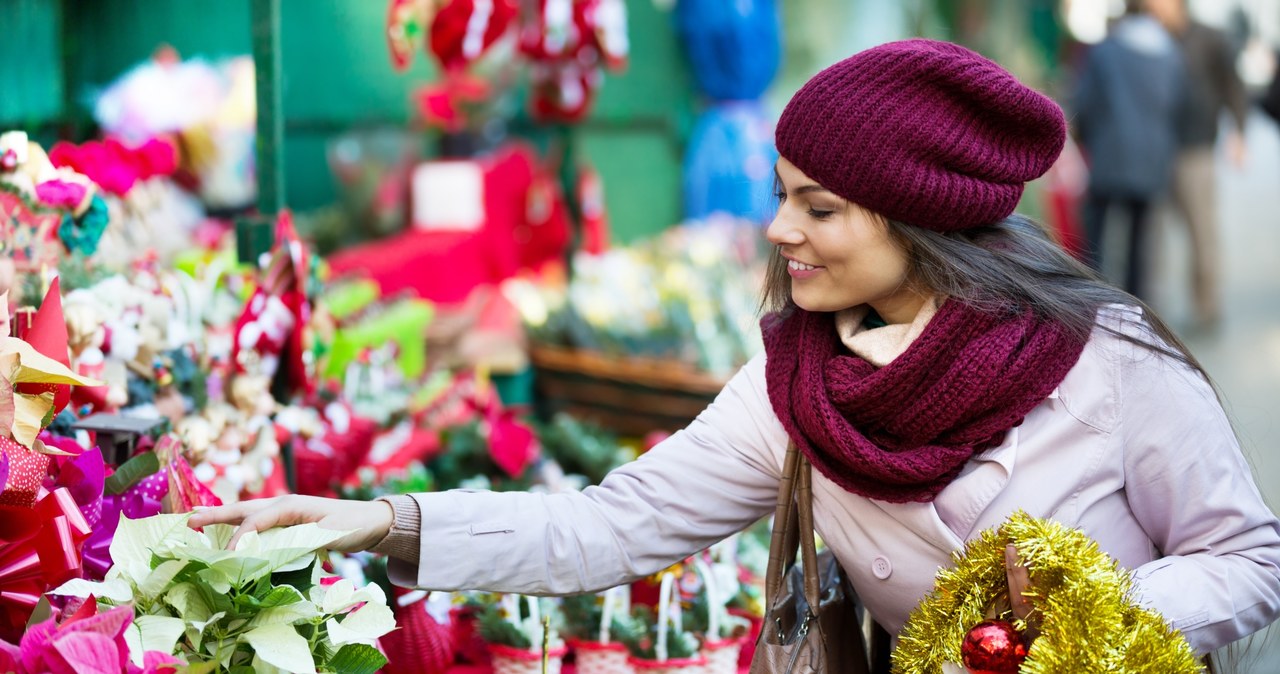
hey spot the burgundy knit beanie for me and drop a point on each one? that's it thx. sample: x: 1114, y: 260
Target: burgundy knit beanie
x: 923, y: 132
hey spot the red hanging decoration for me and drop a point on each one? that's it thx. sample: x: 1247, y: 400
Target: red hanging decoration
x: 463, y: 29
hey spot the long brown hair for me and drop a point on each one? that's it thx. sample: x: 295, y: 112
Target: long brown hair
x: 1008, y: 267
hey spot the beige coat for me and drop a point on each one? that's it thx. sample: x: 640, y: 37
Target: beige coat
x: 1132, y: 448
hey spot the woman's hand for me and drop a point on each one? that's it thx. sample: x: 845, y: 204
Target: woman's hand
x: 1019, y: 583
x: 368, y: 521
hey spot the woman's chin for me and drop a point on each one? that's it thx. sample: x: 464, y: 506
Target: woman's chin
x: 817, y: 304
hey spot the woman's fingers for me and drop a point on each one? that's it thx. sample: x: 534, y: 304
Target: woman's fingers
x: 367, y: 523
x: 227, y: 514
x: 281, y: 512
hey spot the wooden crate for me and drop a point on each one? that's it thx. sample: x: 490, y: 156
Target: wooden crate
x: 629, y: 395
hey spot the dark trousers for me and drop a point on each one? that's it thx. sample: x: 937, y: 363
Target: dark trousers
x: 1136, y: 209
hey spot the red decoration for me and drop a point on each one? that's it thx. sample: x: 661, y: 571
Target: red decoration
x: 463, y: 29
x: 47, y: 334
x: 421, y: 645
x: 993, y: 647
x: 39, y: 550
x: 27, y: 470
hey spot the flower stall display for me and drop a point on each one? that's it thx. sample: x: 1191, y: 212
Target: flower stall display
x: 594, y: 625
x: 690, y: 295
x: 1088, y: 619
x: 46, y: 211
x: 520, y: 640
x: 658, y: 640
x: 267, y: 603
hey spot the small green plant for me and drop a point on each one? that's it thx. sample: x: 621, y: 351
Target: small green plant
x: 265, y: 606
x: 524, y: 631
x: 640, y: 635
x: 582, y: 616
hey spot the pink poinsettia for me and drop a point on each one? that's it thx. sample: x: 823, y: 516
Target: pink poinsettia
x: 87, y: 642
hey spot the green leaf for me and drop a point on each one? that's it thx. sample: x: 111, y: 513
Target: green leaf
x: 363, y: 625
x: 152, y: 633
x: 285, y: 615
x: 131, y: 471
x: 200, y: 668
x: 280, y: 596
x: 357, y: 659
x: 282, y: 646
x: 303, y: 578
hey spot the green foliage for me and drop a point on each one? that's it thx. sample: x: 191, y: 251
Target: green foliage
x: 465, y: 456
x: 496, y: 629
x: 582, y: 614
x: 415, y: 479
x: 581, y: 447
x: 640, y: 635
x: 131, y: 471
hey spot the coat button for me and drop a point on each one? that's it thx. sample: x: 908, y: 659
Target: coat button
x: 881, y: 568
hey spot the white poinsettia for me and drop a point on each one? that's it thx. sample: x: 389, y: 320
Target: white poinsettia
x: 362, y: 626
x: 262, y: 605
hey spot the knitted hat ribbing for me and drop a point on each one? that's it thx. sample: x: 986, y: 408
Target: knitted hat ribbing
x: 924, y: 132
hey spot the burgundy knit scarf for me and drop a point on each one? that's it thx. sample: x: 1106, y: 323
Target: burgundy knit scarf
x: 901, y: 433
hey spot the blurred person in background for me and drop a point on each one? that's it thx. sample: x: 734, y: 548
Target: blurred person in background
x: 1127, y: 105
x: 1213, y: 85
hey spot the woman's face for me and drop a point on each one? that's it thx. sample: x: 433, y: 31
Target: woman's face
x: 840, y: 254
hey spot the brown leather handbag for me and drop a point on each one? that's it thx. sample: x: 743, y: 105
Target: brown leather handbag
x: 813, y: 619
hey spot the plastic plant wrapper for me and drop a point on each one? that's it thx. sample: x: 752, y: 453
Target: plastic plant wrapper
x: 266, y: 604
x: 1090, y: 621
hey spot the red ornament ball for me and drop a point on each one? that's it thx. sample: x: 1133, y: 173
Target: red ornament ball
x: 993, y: 647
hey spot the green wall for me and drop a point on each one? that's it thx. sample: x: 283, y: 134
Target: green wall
x: 31, y: 74
x: 337, y: 76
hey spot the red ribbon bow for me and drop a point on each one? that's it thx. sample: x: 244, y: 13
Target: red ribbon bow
x: 39, y: 550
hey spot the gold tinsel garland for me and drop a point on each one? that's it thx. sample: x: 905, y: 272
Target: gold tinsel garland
x: 1089, y: 621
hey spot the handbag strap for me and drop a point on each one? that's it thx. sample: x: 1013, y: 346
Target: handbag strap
x: 808, y: 546
x: 792, y: 525
x: 782, y: 555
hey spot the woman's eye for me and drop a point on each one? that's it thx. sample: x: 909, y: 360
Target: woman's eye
x: 819, y: 214
x: 780, y: 196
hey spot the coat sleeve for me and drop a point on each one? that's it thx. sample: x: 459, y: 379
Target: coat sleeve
x: 1193, y: 493
x: 702, y: 484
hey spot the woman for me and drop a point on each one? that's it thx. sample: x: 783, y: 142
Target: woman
x: 938, y: 360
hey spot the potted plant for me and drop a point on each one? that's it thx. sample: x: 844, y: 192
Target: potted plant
x: 722, y: 633
x: 266, y: 605
x: 658, y: 641
x: 593, y: 625
x: 520, y: 642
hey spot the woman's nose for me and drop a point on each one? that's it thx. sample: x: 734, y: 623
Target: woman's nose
x: 780, y: 232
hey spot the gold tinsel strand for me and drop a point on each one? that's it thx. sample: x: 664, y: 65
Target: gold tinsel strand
x: 1089, y: 620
